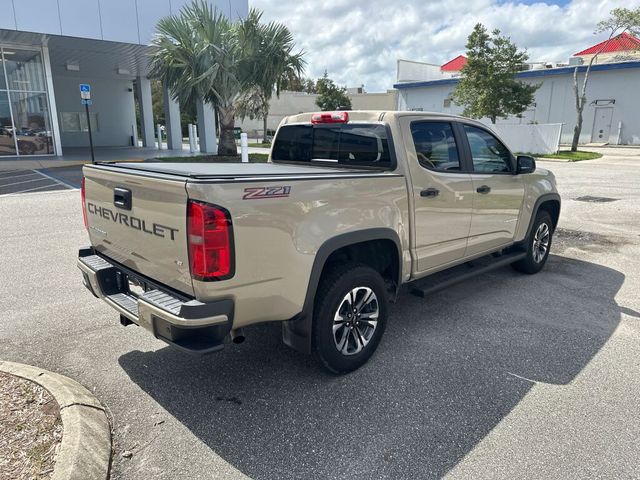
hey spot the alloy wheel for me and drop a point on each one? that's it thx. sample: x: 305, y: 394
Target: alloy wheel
x: 355, y: 321
x: 541, y: 242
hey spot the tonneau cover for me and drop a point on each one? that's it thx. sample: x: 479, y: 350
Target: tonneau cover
x: 234, y: 170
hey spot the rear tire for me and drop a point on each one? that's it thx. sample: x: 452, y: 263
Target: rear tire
x: 350, y: 316
x: 538, y: 245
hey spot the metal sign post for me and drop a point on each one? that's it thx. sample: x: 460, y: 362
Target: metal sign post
x: 85, y: 95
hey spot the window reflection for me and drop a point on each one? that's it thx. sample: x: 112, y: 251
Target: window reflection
x: 25, y: 122
x: 3, y: 82
x: 7, y: 142
x: 32, y: 123
x: 24, y: 70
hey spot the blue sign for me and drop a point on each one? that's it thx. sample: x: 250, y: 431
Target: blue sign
x: 86, y: 101
x: 85, y: 87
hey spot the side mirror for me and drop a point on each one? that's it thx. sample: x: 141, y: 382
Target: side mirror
x: 525, y: 164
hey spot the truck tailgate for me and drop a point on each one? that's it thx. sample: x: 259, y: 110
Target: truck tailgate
x: 140, y: 222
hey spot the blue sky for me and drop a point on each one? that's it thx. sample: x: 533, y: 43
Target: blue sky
x: 359, y: 42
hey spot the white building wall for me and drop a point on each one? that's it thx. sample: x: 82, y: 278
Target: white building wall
x: 113, y: 103
x: 289, y: 103
x: 555, y: 103
x: 411, y: 71
x: 374, y: 101
x: 292, y: 103
x: 129, y: 21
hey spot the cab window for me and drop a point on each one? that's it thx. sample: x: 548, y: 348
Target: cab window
x: 489, y: 155
x: 365, y: 145
x: 436, y: 146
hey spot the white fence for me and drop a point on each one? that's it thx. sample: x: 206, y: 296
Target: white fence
x: 534, y: 138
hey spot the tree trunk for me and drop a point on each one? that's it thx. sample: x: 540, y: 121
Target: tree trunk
x: 227, y: 144
x: 264, y: 129
x: 581, y: 99
x: 576, y: 130
x: 493, y: 120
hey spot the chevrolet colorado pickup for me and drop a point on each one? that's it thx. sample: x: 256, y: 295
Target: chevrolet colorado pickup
x: 350, y: 206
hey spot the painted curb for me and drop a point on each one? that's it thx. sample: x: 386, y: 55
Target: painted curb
x: 85, y: 451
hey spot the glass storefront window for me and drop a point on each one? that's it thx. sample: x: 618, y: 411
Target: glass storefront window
x: 24, y: 70
x: 3, y: 81
x: 25, y: 121
x: 32, y: 124
x: 7, y: 142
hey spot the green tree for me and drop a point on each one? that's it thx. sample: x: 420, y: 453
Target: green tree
x: 298, y: 84
x: 488, y: 87
x: 254, y: 105
x: 330, y: 96
x: 272, y: 61
x: 201, y: 54
x: 621, y: 20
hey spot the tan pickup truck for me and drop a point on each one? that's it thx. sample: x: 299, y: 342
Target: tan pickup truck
x: 350, y: 206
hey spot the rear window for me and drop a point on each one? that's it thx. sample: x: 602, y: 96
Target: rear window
x: 355, y: 144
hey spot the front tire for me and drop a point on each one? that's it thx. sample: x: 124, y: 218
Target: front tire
x: 538, y: 245
x: 350, y: 316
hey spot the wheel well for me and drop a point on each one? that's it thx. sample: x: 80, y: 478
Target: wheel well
x: 553, y: 208
x: 381, y: 255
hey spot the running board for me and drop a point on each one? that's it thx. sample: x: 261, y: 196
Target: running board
x: 446, y: 278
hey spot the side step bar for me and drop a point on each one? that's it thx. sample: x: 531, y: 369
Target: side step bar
x: 446, y: 278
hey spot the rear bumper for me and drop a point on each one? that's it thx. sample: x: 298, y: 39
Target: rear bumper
x: 190, y: 325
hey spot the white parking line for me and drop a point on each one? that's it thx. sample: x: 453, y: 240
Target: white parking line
x: 33, y: 172
x: 25, y: 181
x: 34, y: 189
x: 55, y: 180
x: 22, y: 193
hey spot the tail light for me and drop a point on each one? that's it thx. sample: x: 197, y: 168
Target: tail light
x: 330, y: 117
x: 210, y: 236
x: 83, y: 196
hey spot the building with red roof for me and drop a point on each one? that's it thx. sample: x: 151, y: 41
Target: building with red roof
x: 609, y: 117
x: 454, y: 65
x: 624, y: 45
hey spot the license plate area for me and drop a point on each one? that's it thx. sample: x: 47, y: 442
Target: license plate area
x: 136, y: 287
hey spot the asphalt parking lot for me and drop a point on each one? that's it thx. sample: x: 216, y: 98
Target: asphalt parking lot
x: 505, y: 376
x: 27, y: 181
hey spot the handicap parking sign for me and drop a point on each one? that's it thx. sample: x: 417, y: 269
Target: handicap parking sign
x: 85, y: 91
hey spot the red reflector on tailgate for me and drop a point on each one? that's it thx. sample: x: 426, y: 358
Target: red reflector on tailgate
x: 210, y: 239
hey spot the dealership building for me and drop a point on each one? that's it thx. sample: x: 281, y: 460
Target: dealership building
x: 613, y: 97
x: 49, y: 47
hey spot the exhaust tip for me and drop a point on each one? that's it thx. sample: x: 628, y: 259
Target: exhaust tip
x: 237, y: 336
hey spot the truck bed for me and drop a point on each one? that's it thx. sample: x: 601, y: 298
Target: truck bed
x: 209, y: 171
x: 147, y: 233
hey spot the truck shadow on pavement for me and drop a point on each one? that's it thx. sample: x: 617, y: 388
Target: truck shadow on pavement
x: 448, y: 370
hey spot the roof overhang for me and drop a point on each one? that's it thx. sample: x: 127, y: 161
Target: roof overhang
x: 95, y: 58
x: 602, y: 67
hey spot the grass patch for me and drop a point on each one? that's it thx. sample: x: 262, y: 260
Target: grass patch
x: 260, y: 145
x: 572, y: 156
x: 253, y: 158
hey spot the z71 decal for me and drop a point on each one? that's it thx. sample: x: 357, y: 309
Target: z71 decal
x: 255, y: 193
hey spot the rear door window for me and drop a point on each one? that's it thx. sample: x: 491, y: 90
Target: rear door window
x: 353, y: 144
x: 436, y: 146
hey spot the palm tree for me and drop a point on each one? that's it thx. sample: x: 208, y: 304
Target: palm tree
x: 201, y: 54
x: 198, y: 56
x: 271, y: 62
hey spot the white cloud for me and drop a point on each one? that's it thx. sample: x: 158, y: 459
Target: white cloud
x: 359, y: 42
